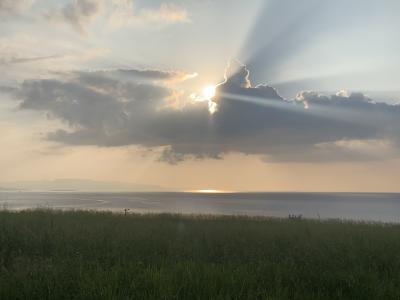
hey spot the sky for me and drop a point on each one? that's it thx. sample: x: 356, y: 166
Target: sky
x: 271, y: 95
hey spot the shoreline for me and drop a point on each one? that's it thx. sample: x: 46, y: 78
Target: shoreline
x: 201, y: 216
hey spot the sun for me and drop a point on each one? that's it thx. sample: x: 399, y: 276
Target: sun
x: 207, y: 95
x: 209, y: 92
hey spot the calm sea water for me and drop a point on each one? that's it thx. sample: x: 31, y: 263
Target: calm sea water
x: 356, y: 206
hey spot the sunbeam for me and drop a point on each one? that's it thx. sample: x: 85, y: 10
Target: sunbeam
x: 273, y: 40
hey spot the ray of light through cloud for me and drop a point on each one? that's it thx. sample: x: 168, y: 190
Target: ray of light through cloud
x: 193, y: 83
x: 331, y: 45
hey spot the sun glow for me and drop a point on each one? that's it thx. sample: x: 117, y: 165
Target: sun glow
x: 209, y: 92
x: 210, y: 191
x: 207, y: 95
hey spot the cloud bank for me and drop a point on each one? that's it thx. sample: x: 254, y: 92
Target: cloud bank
x: 135, y: 107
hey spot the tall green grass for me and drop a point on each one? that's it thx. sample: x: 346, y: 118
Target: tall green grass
x: 47, y: 254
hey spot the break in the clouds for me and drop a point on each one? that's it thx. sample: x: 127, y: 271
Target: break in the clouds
x: 135, y: 107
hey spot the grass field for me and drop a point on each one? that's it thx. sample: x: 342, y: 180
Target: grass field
x: 48, y: 254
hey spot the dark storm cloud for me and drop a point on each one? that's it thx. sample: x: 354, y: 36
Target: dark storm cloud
x: 125, y: 107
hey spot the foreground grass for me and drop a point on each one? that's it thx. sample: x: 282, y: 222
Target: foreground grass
x: 93, y: 255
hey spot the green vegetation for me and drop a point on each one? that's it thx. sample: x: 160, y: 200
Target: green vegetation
x: 47, y: 254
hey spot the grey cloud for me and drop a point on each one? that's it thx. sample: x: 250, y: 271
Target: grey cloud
x: 77, y: 13
x: 133, y: 74
x: 12, y: 6
x: 125, y: 107
x: 21, y: 60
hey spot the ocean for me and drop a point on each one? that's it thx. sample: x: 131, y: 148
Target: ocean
x: 381, y: 207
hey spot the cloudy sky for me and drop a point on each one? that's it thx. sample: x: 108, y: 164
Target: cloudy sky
x: 272, y: 95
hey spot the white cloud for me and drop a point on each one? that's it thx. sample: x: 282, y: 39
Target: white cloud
x: 125, y: 14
